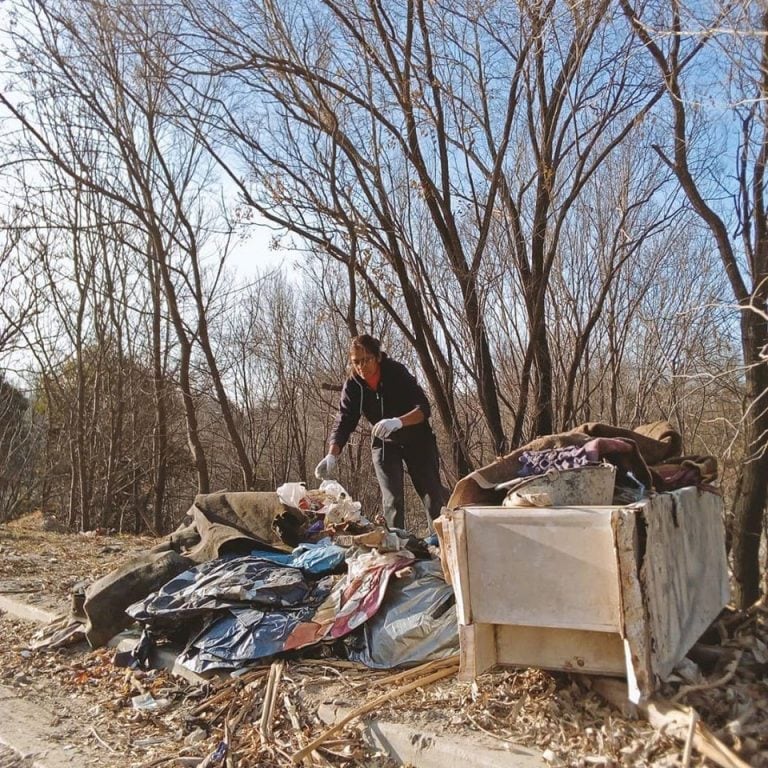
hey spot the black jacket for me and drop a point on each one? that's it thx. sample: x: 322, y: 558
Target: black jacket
x: 398, y: 392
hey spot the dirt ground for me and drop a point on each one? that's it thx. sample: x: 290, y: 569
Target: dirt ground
x: 557, y: 714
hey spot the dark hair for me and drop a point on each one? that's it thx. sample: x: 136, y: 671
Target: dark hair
x: 368, y: 343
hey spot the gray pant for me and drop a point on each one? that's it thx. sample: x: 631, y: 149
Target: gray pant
x: 423, y: 462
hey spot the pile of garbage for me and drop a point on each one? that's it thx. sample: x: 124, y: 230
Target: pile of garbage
x: 348, y: 587
x: 248, y: 576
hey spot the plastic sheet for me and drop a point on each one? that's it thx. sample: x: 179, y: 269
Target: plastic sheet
x: 415, y: 623
x: 242, y: 636
x: 223, y: 583
x: 258, y: 605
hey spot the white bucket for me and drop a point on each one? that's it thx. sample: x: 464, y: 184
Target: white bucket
x: 590, y: 486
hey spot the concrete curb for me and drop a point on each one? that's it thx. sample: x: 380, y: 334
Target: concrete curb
x: 419, y: 747
x: 25, y: 731
x: 24, y: 611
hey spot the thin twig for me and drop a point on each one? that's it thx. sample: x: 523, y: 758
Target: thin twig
x: 730, y: 671
x: 490, y: 733
x: 225, y: 691
x: 688, y: 749
x: 417, y: 671
x: 101, y: 741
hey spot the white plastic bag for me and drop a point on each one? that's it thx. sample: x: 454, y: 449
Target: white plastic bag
x: 291, y: 494
x: 343, y: 511
x: 334, y: 489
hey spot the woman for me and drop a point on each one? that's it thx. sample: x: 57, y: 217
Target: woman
x: 391, y: 399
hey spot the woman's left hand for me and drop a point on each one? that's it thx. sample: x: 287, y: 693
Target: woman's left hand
x: 386, y: 427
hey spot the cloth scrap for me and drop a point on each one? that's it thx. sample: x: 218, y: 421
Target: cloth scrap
x: 540, y: 462
x: 353, y: 600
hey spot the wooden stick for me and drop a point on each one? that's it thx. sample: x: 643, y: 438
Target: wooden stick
x: 730, y: 671
x: 225, y: 691
x: 293, y: 716
x: 100, y: 740
x: 228, y: 730
x: 377, y: 702
x: 270, y: 699
x: 675, y: 721
x: 343, y: 678
x: 266, y: 703
x: 489, y: 733
x: 217, y: 686
x: 418, y: 671
x: 222, y: 710
x: 688, y: 749
x: 333, y: 663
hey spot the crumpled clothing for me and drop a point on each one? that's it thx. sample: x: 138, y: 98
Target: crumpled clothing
x: 541, y: 462
x: 677, y: 475
x: 648, y: 445
x: 572, y: 456
x: 604, y: 447
x: 221, y: 583
x: 687, y: 470
x: 353, y: 600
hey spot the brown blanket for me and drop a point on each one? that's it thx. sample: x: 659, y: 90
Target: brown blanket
x: 652, y: 444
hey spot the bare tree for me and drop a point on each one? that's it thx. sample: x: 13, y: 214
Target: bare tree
x: 19, y: 447
x: 744, y: 255
x: 120, y: 140
x: 405, y: 143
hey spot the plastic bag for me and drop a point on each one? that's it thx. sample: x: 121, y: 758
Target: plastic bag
x: 292, y: 494
x: 332, y: 488
x: 344, y: 511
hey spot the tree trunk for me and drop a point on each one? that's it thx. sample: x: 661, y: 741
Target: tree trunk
x: 185, y: 360
x: 749, y: 504
x: 160, y: 427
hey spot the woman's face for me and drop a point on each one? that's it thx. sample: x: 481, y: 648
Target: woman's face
x: 363, y: 362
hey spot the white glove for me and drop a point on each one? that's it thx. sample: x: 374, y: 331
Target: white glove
x: 326, y: 469
x: 386, y: 427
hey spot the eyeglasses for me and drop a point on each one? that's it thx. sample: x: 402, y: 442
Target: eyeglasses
x: 359, y: 362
